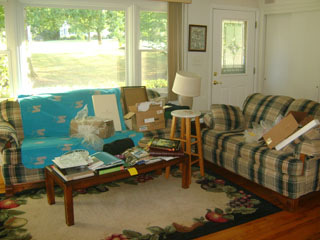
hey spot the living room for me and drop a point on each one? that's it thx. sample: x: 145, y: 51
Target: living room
x: 281, y: 59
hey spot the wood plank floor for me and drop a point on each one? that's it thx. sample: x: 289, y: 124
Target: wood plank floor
x: 302, y: 224
x: 2, y: 188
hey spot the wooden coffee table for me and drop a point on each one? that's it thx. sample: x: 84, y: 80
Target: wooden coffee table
x: 53, y: 178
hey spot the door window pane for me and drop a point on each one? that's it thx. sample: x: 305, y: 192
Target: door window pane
x: 153, y: 47
x: 75, y: 48
x: 234, y: 42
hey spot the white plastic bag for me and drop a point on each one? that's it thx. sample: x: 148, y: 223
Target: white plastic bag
x: 88, y: 131
x: 255, y: 133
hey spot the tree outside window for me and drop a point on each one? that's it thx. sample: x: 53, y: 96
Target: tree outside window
x: 4, y: 74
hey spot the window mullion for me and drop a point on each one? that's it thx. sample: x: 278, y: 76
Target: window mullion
x: 134, y: 55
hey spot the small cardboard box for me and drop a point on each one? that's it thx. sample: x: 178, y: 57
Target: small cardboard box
x: 152, y: 119
x: 104, y: 128
x: 287, y: 126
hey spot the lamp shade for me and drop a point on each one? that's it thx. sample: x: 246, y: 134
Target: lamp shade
x: 187, y: 84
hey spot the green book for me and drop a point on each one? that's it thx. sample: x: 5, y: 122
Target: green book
x: 165, y: 144
x: 109, y: 161
x: 109, y: 170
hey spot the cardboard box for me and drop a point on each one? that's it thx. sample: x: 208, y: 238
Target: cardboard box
x: 104, y: 128
x: 131, y: 95
x: 287, y: 126
x: 152, y: 119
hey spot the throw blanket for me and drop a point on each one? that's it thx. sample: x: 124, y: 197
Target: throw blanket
x: 46, y: 124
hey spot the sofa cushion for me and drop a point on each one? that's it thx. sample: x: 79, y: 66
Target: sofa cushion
x: 305, y: 105
x: 39, y: 152
x: 224, y: 117
x: 258, y: 107
x: 234, y: 143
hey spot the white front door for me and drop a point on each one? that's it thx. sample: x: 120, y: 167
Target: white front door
x: 233, y: 56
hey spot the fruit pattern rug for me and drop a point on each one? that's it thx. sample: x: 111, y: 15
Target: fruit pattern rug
x: 158, y: 212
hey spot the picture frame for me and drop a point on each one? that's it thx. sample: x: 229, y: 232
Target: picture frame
x: 197, y: 38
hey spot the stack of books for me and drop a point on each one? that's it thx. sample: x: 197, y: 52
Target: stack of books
x: 103, y: 162
x: 73, y: 173
x: 96, y: 164
x: 165, y: 147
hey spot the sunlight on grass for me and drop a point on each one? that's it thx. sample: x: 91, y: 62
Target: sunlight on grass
x: 83, y: 63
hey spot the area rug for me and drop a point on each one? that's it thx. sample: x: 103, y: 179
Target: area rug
x: 146, y: 207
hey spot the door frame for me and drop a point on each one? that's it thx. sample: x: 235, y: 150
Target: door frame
x: 256, y: 46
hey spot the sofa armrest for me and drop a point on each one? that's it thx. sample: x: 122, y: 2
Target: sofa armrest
x: 224, y: 117
x: 308, y: 147
x: 8, y: 136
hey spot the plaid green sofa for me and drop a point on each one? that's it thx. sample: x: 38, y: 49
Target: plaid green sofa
x: 16, y: 176
x: 283, y: 171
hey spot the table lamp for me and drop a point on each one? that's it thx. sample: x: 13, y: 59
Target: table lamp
x: 187, y: 85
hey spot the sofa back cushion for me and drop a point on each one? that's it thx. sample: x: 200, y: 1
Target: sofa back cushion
x: 224, y: 117
x: 305, y: 105
x: 258, y: 107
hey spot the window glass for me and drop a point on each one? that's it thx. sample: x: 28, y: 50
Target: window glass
x: 4, y: 73
x: 153, y: 48
x: 75, y: 48
x: 234, y: 38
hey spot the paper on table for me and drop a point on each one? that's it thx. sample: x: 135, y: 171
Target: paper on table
x: 69, y: 162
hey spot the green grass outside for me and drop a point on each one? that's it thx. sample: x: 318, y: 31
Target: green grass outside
x: 106, y: 69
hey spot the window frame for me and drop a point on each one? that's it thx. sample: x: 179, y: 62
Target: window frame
x: 6, y: 52
x: 131, y: 8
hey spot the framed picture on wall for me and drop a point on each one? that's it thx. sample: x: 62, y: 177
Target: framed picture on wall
x: 197, y: 38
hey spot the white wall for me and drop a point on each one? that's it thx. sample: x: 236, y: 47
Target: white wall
x: 291, y: 51
x: 200, y: 13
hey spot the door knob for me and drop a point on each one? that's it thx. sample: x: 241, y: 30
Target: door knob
x: 216, y: 82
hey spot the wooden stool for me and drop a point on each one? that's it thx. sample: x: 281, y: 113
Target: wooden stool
x: 186, y: 139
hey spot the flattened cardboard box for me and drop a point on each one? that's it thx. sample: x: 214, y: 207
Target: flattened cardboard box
x: 287, y: 126
x: 105, y: 128
x: 152, y: 119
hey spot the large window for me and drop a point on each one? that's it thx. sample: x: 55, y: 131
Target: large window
x: 69, y: 48
x: 4, y: 70
x: 153, y: 49
x: 75, y: 48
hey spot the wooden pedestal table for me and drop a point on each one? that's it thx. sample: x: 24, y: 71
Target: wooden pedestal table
x: 53, y: 178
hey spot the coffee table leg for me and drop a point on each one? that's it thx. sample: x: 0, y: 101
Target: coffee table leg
x: 185, y: 173
x: 49, y: 187
x: 68, y: 205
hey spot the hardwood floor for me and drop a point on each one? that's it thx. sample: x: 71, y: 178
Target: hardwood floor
x: 301, y: 224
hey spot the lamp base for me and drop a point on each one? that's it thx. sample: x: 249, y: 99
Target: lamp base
x: 186, y: 101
